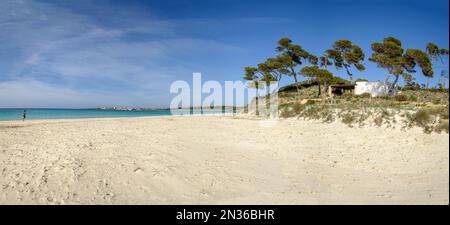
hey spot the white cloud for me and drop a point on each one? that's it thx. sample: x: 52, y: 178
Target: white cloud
x: 35, y: 94
x: 62, y: 58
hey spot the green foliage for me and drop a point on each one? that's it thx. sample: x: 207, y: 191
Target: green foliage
x: 414, y: 56
x: 348, y: 117
x: 339, y: 80
x: 413, y: 98
x: 411, y: 85
x: 250, y: 73
x: 291, y: 56
x: 325, y: 61
x: 310, y: 83
x: 344, y: 54
x: 365, y: 95
x: 435, y: 52
x: 270, y: 70
x: 321, y: 76
x: 390, y: 55
x: 273, y: 69
x: 294, y: 55
x: 300, y: 85
x: 401, y: 98
x: 421, y: 117
x: 296, y: 52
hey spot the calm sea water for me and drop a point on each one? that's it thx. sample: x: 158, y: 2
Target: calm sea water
x: 16, y: 114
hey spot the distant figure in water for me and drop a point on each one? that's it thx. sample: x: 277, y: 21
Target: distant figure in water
x: 24, y: 115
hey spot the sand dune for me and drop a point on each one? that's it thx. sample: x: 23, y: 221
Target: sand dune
x: 218, y: 160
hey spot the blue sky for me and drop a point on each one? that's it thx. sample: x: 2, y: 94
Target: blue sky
x: 81, y: 53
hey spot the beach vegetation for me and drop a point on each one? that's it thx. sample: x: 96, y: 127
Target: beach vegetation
x: 391, y: 56
x: 320, y: 76
x: 412, y: 105
x: 344, y: 54
x: 290, y: 57
x: 361, y: 80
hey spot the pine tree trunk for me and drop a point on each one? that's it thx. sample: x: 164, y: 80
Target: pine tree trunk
x: 391, y: 88
x: 349, y: 74
x: 297, y: 87
x: 386, y: 81
x: 319, y: 89
x: 295, y: 80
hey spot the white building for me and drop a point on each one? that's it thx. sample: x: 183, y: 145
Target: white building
x: 374, y: 88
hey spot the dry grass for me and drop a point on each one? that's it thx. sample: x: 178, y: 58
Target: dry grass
x: 421, y: 108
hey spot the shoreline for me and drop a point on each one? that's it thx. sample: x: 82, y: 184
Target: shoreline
x: 117, y: 117
x: 107, y: 118
x: 236, y: 116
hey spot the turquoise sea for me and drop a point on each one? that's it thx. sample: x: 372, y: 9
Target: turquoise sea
x: 16, y: 114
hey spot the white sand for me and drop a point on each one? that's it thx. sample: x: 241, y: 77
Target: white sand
x: 218, y: 160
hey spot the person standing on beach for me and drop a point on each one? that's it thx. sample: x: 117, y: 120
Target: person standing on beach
x: 24, y: 115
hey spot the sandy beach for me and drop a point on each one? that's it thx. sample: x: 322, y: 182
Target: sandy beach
x: 218, y: 160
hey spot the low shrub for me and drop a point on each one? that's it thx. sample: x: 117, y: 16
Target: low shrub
x: 365, y: 95
x: 421, y: 118
x: 436, y: 101
x: 442, y: 126
x: 413, y: 98
x: 401, y: 98
x: 378, y: 121
x: 348, y: 118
